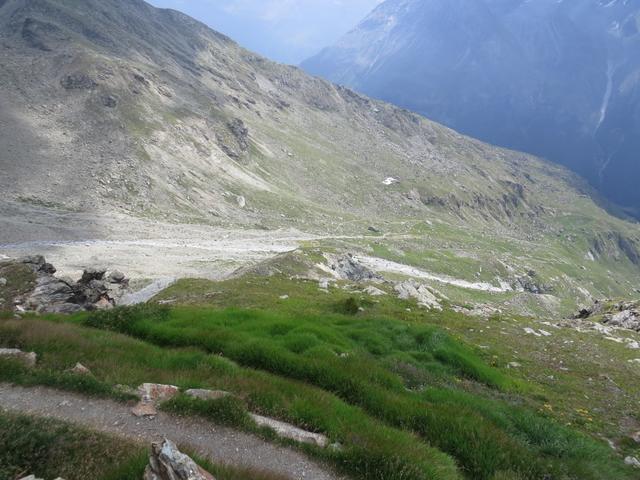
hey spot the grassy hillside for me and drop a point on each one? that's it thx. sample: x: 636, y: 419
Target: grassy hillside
x: 408, y: 394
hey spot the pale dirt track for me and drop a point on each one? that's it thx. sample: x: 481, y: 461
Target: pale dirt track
x: 219, y: 444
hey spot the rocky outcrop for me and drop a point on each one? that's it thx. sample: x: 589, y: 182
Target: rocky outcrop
x: 530, y: 283
x: 166, y: 462
x: 52, y: 294
x: 347, y: 267
x: 613, y: 314
x: 629, y: 319
x: 421, y: 293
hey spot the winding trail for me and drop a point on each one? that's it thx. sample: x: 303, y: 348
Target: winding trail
x: 220, y: 444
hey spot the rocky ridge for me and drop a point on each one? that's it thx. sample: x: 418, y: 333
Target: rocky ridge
x: 95, y: 290
x: 506, y: 72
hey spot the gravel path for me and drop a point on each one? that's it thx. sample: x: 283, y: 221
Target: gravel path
x: 220, y: 444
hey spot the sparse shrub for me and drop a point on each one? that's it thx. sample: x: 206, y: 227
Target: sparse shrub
x: 121, y: 319
x: 350, y: 306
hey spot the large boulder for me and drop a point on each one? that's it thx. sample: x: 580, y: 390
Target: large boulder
x: 29, y: 359
x: 48, y: 292
x: 166, y: 462
x: 421, y: 293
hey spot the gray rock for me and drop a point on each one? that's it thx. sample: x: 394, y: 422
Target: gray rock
x: 629, y: 319
x: 632, y: 461
x: 3, y: 281
x: 419, y: 292
x: 207, y: 394
x: 347, y: 267
x: 166, y: 462
x: 291, y: 432
x: 80, y: 369
x: 35, y: 262
x: 27, y: 358
x: 90, y: 274
x: 374, y: 292
x: 116, y: 277
x: 78, y: 81
x: 49, y: 292
x: 48, y: 268
x: 109, y: 101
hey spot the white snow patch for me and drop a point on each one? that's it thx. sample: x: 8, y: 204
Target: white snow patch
x: 390, y: 181
x: 381, y: 265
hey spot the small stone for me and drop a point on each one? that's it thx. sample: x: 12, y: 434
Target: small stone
x: 80, y: 369
x: 374, y: 292
x: 632, y: 461
x: 156, y: 392
x: 514, y: 365
x: 531, y: 331
x: 284, y: 297
x: 3, y: 281
x: 144, y: 409
x: 48, y: 268
x: 635, y: 437
x: 116, y: 277
x: 103, y: 304
x: 109, y: 101
x: 127, y: 390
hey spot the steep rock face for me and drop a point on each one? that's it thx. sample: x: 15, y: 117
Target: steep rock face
x: 119, y: 105
x: 560, y: 79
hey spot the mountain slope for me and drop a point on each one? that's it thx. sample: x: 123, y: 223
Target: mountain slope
x: 116, y: 110
x: 559, y: 79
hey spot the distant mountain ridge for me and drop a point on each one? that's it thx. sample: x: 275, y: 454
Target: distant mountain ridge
x: 115, y: 109
x: 559, y: 79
